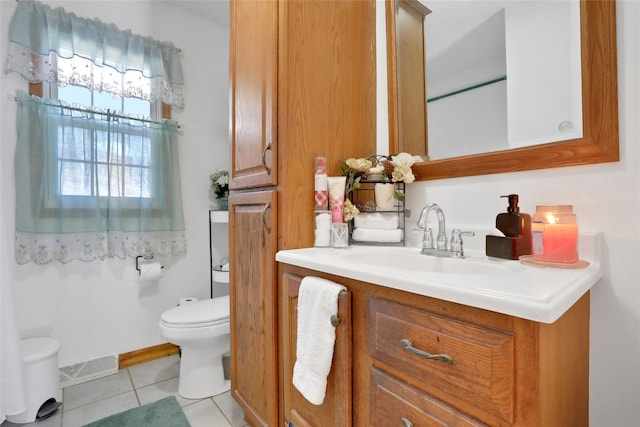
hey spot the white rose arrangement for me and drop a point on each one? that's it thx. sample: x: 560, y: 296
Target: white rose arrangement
x: 219, y: 181
x: 393, y: 168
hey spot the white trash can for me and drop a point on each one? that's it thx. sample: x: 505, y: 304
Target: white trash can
x: 42, y: 379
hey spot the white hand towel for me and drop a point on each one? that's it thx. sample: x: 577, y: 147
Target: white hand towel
x: 317, y: 302
x: 374, y: 235
x: 379, y: 220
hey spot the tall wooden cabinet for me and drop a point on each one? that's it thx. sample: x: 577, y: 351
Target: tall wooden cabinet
x: 253, y: 104
x: 254, y: 353
x: 302, y: 77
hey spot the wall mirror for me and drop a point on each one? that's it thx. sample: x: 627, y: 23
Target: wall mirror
x: 581, y: 110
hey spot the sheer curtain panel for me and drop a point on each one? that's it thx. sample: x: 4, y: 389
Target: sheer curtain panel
x: 128, y: 199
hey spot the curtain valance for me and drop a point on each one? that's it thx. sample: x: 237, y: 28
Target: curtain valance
x: 108, y: 59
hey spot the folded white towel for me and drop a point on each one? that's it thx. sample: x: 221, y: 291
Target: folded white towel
x: 376, y: 235
x: 382, y: 221
x: 317, y: 302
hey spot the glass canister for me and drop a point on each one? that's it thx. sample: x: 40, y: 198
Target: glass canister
x: 555, y: 234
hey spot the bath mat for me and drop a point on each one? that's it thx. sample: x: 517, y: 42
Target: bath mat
x: 162, y: 413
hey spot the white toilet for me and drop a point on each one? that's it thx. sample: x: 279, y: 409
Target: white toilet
x: 201, y: 329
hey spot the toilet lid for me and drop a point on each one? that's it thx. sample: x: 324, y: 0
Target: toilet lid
x: 200, y: 313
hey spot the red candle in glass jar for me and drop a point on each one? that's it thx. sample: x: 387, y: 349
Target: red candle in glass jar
x: 555, y: 234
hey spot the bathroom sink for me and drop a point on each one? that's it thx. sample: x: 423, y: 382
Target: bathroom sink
x: 504, y: 286
x: 412, y: 261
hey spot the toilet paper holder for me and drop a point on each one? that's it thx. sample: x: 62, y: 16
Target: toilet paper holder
x: 146, y: 257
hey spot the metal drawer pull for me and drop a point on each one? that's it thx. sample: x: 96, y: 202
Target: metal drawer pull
x: 406, y: 422
x: 264, y: 218
x: 264, y: 158
x: 440, y: 357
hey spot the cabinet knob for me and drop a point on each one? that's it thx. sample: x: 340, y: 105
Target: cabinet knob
x: 335, y: 321
x: 406, y: 344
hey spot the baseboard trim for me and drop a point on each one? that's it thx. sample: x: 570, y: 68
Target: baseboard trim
x: 147, y: 354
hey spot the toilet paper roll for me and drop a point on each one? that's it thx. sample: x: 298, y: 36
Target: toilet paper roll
x: 150, y: 271
x: 187, y: 300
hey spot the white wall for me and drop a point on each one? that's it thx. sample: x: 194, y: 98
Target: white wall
x: 606, y: 198
x: 98, y: 308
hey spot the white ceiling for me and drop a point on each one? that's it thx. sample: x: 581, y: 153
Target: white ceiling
x: 213, y: 10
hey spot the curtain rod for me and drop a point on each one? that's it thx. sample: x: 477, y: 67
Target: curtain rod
x: 108, y: 113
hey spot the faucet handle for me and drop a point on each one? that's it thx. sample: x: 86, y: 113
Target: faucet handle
x: 427, y: 239
x: 456, y: 246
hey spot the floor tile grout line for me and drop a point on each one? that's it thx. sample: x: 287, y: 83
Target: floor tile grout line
x: 133, y: 386
x: 226, y: 417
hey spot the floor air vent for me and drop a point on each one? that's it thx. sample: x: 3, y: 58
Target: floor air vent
x: 88, y: 370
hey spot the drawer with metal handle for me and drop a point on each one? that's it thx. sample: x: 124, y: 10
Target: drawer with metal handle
x: 462, y: 364
x: 396, y: 404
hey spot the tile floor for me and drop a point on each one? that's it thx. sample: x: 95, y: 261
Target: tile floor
x: 136, y: 386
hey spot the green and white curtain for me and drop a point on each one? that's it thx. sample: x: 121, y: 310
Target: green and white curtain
x: 92, y: 184
x: 38, y: 34
x: 129, y: 201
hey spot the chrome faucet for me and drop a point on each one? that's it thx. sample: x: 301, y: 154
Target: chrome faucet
x: 440, y: 248
x: 427, y: 238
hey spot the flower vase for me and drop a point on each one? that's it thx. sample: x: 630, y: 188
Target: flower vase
x: 223, y: 203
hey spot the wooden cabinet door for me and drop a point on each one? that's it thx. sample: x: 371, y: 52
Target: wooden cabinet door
x: 254, y: 363
x: 253, y: 93
x: 336, y: 409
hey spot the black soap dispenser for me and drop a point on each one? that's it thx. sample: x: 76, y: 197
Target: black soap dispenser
x: 516, y: 227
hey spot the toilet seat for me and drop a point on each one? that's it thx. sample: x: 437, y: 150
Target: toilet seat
x: 198, y: 314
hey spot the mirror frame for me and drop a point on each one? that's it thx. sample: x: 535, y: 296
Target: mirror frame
x: 600, y: 140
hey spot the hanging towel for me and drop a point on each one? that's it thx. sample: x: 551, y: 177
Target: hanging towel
x: 317, y: 302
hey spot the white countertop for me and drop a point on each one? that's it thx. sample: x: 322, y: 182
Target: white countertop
x: 503, y: 286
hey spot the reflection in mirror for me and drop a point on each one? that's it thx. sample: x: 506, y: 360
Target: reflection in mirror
x: 406, y: 82
x: 467, y: 89
x: 494, y: 65
x: 594, y: 95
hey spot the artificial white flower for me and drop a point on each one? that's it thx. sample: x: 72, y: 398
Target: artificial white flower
x: 349, y: 211
x: 402, y: 174
x: 359, y: 164
x: 403, y: 160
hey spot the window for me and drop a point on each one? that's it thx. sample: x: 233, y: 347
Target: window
x: 117, y: 161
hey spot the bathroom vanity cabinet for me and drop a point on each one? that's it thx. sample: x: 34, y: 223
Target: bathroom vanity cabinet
x: 336, y: 408
x: 503, y: 370
x: 293, y: 96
